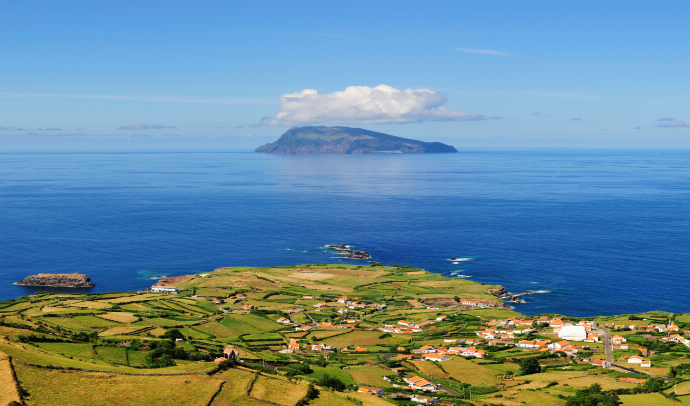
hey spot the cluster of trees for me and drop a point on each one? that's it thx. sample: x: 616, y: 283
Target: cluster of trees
x: 296, y: 369
x: 530, y: 365
x: 164, y: 353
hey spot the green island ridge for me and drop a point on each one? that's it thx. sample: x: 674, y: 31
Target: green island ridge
x: 346, y: 140
x: 323, y: 335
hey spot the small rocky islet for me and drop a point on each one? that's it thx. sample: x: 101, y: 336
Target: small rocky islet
x: 57, y: 280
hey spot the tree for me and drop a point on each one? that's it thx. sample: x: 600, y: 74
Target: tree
x: 654, y: 384
x: 332, y: 382
x: 530, y: 366
x: 173, y: 334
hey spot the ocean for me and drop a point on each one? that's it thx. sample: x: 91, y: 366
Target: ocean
x: 596, y: 232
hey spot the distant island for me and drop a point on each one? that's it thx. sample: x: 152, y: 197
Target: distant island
x: 57, y: 280
x: 346, y: 140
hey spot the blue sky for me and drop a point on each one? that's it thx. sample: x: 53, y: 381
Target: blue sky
x: 108, y: 74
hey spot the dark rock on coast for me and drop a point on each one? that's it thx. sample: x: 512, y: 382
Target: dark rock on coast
x: 57, y: 280
x: 344, y: 249
x: 346, y: 140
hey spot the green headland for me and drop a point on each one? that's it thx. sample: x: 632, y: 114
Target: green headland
x: 325, y: 335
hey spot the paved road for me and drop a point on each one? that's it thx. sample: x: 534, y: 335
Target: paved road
x: 608, y: 347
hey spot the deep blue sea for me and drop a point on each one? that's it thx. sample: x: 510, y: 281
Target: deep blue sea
x: 599, y: 231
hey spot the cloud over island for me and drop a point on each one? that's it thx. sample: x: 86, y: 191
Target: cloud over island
x: 366, y: 105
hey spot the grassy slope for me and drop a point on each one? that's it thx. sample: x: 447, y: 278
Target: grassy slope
x: 47, y: 387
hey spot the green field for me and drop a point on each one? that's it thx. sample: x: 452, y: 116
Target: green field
x: 47, y: 387
x: 319, y: 372
x: 74, y: 350
x: 114, y: 355
x: 361, y: 338
x: 81, y: 323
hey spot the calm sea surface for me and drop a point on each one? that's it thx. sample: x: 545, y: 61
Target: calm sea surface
x: 599, y: 231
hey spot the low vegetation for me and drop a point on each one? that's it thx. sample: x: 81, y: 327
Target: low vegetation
x: 299, y: 343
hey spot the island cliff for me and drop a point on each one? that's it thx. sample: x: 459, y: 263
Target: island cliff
x: 58, y: 280
x: 346, y: 140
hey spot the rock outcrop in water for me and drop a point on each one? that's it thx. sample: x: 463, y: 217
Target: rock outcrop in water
x: 344, y: 249
x: 346, y: 140
x: 57, y: 280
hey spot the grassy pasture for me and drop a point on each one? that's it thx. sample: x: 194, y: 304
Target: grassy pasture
x: 48, y: 387
x: 81, y: 323
x: 13, y: 332
x: 162, y: 322
x: 136, y: 307
x: 606, y: 384
x: 259, y: 322
x: 366, y: 398
x: 134, y: 298
x: 74, y: 350
x: 371, y: 376
x: 277, y: 390
x: 647, y: 399
x: 263, y: 337
x: 319, y: 372
x: 361, y: 338
x: 120, y: 317
x: 320, y: 335
x: 518, y: 398
x: 192, y: 307
x: 682, y: 388
x: 115, y: 355
x: 9, y: 390
x: 223, y: 330
x: 430, y: 368
x: 24, y: 305
x: 468, y: 372
x: 87, y: 304
x: 234, y: 390
x: 239, y: 326
x: 113, y: 331
x: 137, y: 358
x: 26, y: 354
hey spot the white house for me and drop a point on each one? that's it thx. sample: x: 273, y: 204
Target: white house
x: 574, y: 333
x: 436, y: 357
x: 618, y: 339
x: 635, y: 359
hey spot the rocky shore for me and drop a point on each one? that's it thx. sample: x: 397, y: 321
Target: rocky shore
x: 344, y: 249
x: 502, y: 293
x: 57, y: 280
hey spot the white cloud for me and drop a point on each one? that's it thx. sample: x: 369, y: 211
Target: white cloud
x: 483, y: 52
x: 363, y: 104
